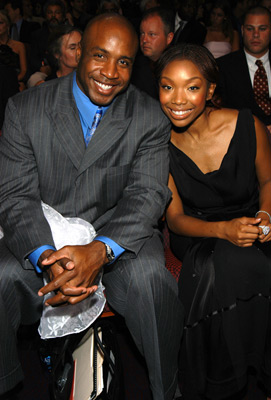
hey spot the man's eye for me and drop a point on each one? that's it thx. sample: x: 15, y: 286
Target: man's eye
x: 124, y: 63
x: 98, y: 55
x: 193, y: 88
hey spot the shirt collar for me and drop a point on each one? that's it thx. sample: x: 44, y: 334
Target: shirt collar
x: 85, y: 106
x: 251, y: 59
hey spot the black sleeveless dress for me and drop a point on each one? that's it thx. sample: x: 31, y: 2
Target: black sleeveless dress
x: 225, y: 289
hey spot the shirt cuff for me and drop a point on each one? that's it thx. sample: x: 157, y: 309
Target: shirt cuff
x: 117, y: 250
x: 35, y: 255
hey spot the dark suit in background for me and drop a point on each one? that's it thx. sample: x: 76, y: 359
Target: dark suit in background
x: 235, y: 87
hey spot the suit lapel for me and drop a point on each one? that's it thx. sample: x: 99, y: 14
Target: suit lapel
x: 67, y: 126
x: 66, y: 122
x: 112, y: 126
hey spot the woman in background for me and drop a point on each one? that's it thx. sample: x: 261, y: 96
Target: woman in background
x: 62, y: 48
x: 219, y: 220
x: 12, y: 52
x: 221, y: 38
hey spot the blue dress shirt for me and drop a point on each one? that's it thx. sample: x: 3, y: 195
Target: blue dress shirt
x: 86, y: 111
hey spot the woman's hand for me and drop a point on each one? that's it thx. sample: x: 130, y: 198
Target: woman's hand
x: 242, y: 231
x: 264, y: 238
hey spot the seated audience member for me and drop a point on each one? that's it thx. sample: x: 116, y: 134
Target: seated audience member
x: 62, y: 50
x: 8, y: 87
x: 156, y: 34
x: 187, y: 28
x: 265, y: 3
x: 12, y: 52
x: 113, y: 175
x: 78, y: 13
x: 55, y: 13
x: 239, y: 72
x: 105, y: 6
x: 221, y: 38
x: 219, y: 220
x: 21, y: 29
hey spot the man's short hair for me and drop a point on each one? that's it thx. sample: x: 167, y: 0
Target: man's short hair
x: 257, y: 10
x: 55, y: 3
x: 16, y: 4
x: 167, y: 16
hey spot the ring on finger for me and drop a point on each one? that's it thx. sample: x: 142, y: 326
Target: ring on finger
x: 265, y: 229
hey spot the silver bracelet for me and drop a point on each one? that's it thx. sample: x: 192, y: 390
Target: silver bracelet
x: 265, y: 212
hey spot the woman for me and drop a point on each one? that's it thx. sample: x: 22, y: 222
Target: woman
x: 62, y: 48
x: 12, y: 52
x: 221, y: 38
x: 219, y: 221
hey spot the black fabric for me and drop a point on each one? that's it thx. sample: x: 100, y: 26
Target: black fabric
x: 225, y: 289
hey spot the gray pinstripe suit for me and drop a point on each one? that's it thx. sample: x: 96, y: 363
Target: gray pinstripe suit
x: 118, y: 184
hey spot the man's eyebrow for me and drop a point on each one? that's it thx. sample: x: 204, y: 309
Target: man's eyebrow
x: 97, y: 48
x: 256, y: 26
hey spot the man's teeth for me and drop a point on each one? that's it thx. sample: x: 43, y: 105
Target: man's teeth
x: 103, y: 86
x: 179, y: 113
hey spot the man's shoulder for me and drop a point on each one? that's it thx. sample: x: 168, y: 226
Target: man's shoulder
x: 47, y: 91
x: 230, y: 58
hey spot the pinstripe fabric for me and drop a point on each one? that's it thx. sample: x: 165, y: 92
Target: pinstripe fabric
x: 118, y: 183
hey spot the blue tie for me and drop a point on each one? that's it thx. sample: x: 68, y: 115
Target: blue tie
x: 95, y: 123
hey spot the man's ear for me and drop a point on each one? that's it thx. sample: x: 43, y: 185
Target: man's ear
x: 170, y: 37
x: 78, y: 53
x: 210, y: 91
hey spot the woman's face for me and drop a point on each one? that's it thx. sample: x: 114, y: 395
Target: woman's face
x: 217, y: 17
x: 70, y: 44
x: 3, y: 26
x: 183, y: 92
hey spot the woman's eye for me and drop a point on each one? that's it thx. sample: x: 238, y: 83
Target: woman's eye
x: 166, y: 87
x: 193, y: 88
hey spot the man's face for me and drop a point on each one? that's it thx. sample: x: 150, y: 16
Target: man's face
x: 12, y: 13
x: 256, y: 34
x: 54, y: 15
x: 105, y: 60
x: 78, y: 5
x: 153, y: 39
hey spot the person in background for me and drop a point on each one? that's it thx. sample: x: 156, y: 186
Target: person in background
x: 156, y: 34
x: 187, y: 28
x: 220, y: 227
x: 79, y: 15
x: 12, y: 52
x: 221, y: 38
x: 237, y: 71
x: 55, y: 15
x: 62, y: 50
x: 105, y: 6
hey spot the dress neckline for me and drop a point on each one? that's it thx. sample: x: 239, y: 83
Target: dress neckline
x: 223, y: 158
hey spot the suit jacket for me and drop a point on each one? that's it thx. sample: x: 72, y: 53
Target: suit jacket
x: 193, y: 32
x: 235, y: 85
x: 26, y: 30
x: 118, y: 183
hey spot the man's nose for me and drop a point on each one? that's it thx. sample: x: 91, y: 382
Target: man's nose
x: 110, y: 70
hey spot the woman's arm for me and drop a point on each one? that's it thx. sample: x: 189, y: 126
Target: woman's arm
x: 240, y: 231
x: 263, y: 171
x: 23, y: 63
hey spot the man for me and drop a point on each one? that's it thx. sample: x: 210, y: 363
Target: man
x: 78, y: 13
x: 118, y: 183
x: 21, y: 29
x: 54, y: 12
x: 156, y: 34
x: 187, y: 28
x: 237, y: 71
